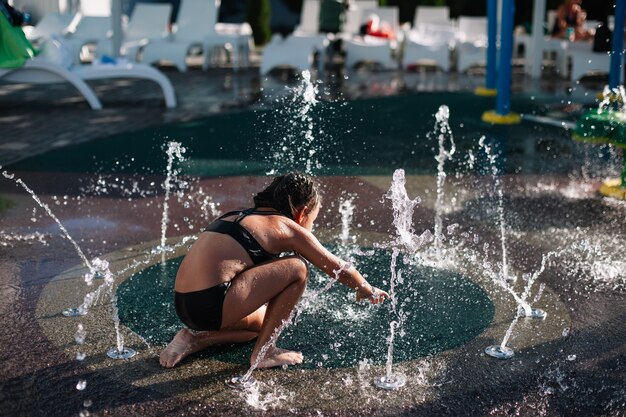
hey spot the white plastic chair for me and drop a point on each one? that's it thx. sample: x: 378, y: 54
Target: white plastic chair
x: 95, y: 7
x: 293, y: 51
x: 585, y: 61
x: 148, y: 22
x: 297, y: 50
x: 50, y: 24
x: 431, y: 39
x: 196, y: 26
x: 430, y: 44
x: 374, y: 49
x: 309, y: 18
x: 233, y: 37
x: 431, y: 15
x: 41, y: 71
x: 84, y: 30
x: 472, y: 42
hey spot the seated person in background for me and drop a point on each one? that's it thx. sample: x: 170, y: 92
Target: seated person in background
x: 570, y: 22
x: 374, y: 27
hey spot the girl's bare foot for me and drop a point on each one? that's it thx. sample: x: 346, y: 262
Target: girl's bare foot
x: 279, y: 357
x: 178, y: 349
x: 185, y: 343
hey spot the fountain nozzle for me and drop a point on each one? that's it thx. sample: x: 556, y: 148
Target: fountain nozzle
x: 125, y: 353
x: 241, y: 383
x: 390, y: 382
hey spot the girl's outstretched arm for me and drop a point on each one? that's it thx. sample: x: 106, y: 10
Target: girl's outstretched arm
x: 306, y: 244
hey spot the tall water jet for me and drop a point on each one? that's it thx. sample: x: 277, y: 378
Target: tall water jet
x: 524, y: 307
x: 97, y: 269
x: 444, y: 134
x: 296, y: 149
x: 174, y: 151
x: 491, y: 157
x: 407, y: 241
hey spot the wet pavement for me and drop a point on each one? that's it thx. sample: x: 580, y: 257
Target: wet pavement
x: 572, y: 363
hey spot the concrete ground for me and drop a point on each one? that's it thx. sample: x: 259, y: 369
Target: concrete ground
x: 571, y: 363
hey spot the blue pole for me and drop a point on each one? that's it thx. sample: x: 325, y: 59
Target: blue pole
x: 492, y: 49
x: 503, y: 100
x: 617, y: 46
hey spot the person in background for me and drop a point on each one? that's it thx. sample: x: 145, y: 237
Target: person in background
x: 570, y: 22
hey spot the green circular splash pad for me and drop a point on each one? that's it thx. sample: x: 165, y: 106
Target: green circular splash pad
x: 441, y: 310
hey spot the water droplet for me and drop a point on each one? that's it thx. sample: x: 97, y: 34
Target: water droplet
x: 80, y: 356
x: 571, y: 357
x: 81, y: 385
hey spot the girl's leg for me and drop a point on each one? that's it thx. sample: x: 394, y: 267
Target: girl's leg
x: 279, y: 283
x: 187, y: 342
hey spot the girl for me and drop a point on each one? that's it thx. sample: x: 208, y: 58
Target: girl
x: 233, y: 285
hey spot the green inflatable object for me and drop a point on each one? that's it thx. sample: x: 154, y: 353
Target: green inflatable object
x: 603, y: 127
x: 15, y: 49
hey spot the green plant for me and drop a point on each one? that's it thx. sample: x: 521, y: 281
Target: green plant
x: 258, y: 16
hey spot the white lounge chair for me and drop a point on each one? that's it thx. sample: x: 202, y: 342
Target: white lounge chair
x: 432, y: 38
x: 309, y: 18
x: 40, y: 71
x: 585, y: 61
x: 233, y: 37
x: 50, y: 24
x: 472, y: 42
x: 95, y: 7
x: 373, y: 49
x: 87, y: 30
x: 196, y: 26
x: 432, y: 15
x: 149, y: 22
x: 297, y: 50
x: 431, y: 44
x: 293, y: 51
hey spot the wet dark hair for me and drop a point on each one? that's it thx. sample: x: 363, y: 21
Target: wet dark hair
x: 289, y: 192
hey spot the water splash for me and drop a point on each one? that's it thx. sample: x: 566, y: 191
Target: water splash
x: 444, y: 134
x: 613, y: 100
x: 9, y: 239
x: 403, y: 208
x: 297, y: 149
x: 346, y: 209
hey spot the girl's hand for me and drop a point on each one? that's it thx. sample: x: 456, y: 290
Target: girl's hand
x: 375, y: 295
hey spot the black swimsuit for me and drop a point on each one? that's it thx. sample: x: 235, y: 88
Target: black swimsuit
x: 202, y: 310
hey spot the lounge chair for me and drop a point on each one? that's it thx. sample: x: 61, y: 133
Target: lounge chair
x: 50, y: 24
x: 87, y: 30
x: 41, y: 71
x: 149, y: 22
x: 431, y: 39
x: 373, y: 49
x: 297, y: 50
x: 432, y: 15
x: 472, y: 42
x: 585, y: 61
x: 196, y: 26
x: 293, y: 51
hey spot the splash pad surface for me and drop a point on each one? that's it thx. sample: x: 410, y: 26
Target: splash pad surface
x: 324, y: 388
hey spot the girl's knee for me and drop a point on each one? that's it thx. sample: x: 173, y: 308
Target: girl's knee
x: 300, y: 268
